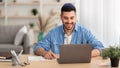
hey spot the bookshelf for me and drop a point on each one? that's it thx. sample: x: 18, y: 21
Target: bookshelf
x: 19, y: 12
x: 10, y: 11
x: 21, y: 9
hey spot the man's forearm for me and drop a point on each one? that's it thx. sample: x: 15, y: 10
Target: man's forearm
x: 40, y: 51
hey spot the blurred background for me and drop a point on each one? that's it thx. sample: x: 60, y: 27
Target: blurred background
x: 102, y: 17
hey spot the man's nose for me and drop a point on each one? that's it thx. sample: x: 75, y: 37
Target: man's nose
x: 69, y: 20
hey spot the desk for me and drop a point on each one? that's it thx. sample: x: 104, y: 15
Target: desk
x: 53, y: 64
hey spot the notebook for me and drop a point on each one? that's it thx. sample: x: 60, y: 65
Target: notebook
x: 5, y: 56
x: 75, y: 53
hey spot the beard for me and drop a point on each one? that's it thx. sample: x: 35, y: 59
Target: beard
x: 69, y: 26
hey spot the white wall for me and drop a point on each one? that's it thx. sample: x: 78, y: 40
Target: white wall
x: 102, y: 17
x: 91, y: 16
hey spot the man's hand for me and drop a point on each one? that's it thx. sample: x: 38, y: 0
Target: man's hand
x: 95, y: 53
x: 47, y: 55
x: 50, y: 55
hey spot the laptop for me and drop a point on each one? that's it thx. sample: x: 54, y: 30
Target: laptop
x: 75, y: 53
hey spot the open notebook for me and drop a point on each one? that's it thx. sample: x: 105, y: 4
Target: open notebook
x: 6, y: 56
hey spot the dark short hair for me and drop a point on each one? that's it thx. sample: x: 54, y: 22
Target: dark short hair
x: 67, y: 7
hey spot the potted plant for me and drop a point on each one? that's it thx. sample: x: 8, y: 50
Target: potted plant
x: 113, y: 52
x: 0, y: 0
x: 58, y: 0
x: 34, y: 11
x: 46, y: 23
x: 14, y: 1
x: 31, y: 25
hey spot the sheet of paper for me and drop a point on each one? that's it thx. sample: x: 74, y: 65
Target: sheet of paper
x: 2, y: 57
x: 37, y: 58
x: 5, y: 60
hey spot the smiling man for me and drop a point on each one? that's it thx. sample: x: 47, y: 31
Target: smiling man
x: 70, y: 32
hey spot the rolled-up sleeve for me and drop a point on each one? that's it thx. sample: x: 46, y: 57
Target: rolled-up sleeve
x: 92, y: 40
x: 45, y: 43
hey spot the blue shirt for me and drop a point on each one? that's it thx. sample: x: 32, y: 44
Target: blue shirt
x: 55, y: 38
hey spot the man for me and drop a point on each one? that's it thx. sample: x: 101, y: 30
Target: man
x: 71, y: 32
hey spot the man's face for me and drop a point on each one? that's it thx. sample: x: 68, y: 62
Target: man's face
x: 68, y: 19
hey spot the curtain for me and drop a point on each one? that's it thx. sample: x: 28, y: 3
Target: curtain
x: 102, y: 17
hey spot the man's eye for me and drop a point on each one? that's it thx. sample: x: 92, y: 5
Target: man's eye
x: 72, y: 17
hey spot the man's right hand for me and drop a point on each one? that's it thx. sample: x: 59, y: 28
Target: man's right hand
x: 50, y: 55
x: 47, y: 55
